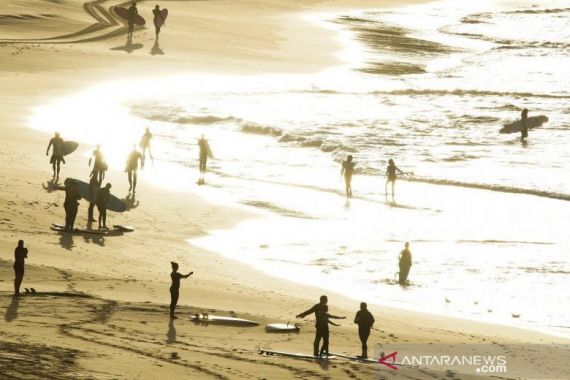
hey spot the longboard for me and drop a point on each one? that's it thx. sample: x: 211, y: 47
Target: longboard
x: 282, y: 327
x: 294, y: 355
x: 114, y: 204
x: 159, y: 22
x: 356, y: 358
x: 69, y: 147
x: 531, y: 122
x: 216, y: 319
x: 124, y: 14
x: 61, y: 228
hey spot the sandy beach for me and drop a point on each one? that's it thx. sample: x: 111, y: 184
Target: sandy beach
x: 101, y: 310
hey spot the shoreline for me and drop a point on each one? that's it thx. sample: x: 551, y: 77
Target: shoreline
x: 128, y: 261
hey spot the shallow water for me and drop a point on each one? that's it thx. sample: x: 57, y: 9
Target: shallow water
x: 429, y: 86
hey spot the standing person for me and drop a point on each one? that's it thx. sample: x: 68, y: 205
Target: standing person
x: 391, y: 174
x: 318, y: 310
x: 405, y: 263
x: 364, y: 320
x: 71, y: 204
x: 132, y: 166
x: 132, y: 15
x: 324, y: 319
x: 145, y: 143
x: 57, y: 154
x: 99, y: 164
x: 20, y: 254
x: 158, y: 20
x: 102, y: 200
x: 524, y: 129
x: 205, y: 152
x: 348, y: 170
x: 175, y: 287
x: 93, y: 189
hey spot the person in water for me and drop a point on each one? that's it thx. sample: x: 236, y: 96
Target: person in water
x: 405, y: 263
x: 205, y: 152
x: 347, y: 170
x: 524, y: 122
x: 323, y: 321
x: 57, y: 154
x: 20, y: 254
x: 93, y: 189
x: 132, y: 14
x: 99, y: 164
x: 175, y: 287
x: 71, y: 204
x: 364, y: 320
x: 391, y: 176
x: 145, y: 143
x: 318, y: 311
x: 102, y: 200
x: 158, y: 19
x: 132, y: 166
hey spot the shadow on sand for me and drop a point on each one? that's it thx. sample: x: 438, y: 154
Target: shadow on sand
x: 131, y: 202
x: 12, y: 310
x: 156, y: 50
x: 52, y: 185
x: 171, y: 334
x: 129, y: 47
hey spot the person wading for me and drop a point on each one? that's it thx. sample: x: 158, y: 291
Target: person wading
x: 405, y: 263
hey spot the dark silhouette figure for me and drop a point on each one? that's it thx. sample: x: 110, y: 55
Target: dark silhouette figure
x: 391, y: 176
x: 348, y: 171
x: 171, y: 334
x: 94, y: 189
x: 20, y: 255
x: 71, y: 204
x: 132, y: 15
x: 205, y: 152
x: 364, y: 320
x: 158, y: 20
x: 99, y: 164
x: 57, y: 154
x: 318, y: 310
x: 145, y: 143
x: 405, y: 263
x: 524, y: 129
x: 102, y: 200
x: 132, y: 166
x: 323, y: 320
x: 175, y: 288
x: 12, y: 310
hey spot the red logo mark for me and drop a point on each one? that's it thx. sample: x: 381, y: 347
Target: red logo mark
x: 390, y: 364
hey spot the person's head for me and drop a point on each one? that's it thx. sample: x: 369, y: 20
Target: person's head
x: 174, y: 266
x: 147, y: 129
x: 57, y: 134
x: 108, y: 186
x: 156, y: 7
x: 324, y: 300
x: 349, y: 158
x: 20, y: 244
x: 363, y: 306
x: 407, y: 245
x: 525, y: 111
x: 390, y: 162
x: 134, y: 3
x: 98, y: 147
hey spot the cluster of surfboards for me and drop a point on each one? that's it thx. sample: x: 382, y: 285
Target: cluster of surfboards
x: 223, y: 320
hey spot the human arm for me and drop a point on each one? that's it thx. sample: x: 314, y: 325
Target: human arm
x: 188, y: 275
x: 357, y: 317
x: 335, y: 317
x: 399, y: 170
x: 307, y: 312
x: 332, y: 323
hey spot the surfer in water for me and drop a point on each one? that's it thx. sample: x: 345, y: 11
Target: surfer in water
x: 145, y: 143
x: 132, y: 15
x: 205, y: 152
x: 102, y: 201
x: 158, y: 19
x: 524, y: 119
x: 405, y: 263
x: 175, y: 287
x: 99, y: 165
x: 20, y: 254
x: 323, y: 321
x: 364, y: 320
x: 132, y: 166
x: 318, y: 309
x: 391, y: 176
x: 71, y: 204
x: 347, y: 170
x: 57, y: 154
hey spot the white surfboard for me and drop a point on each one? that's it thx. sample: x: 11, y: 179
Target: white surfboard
x: 217, y: 319
x: 282, y: 327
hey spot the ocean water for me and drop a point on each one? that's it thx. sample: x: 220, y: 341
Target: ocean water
x: 427, y: 85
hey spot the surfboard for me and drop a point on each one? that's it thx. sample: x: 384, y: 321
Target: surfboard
x: 532, y: 122
x: 294, y: 355
x: 356, y: 358
x: 61, y: 228
x: 158, y: 22
x: 69, y: 147
x: 122, y: 228
x: 282, y: 327
x: 114, y: 204
x: 217, y: 319
x: 124, y: 14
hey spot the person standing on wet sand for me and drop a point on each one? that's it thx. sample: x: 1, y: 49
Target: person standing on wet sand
x: 405, y: 263
x: 93, y: 189
x: 175, y: 287
x: 133, y: 166
x: 56, y: 155
x: 205, y: 152
x: 524, y: 128
x: 102, y: 200
x: 158, y: 20
x: 20, y: 254
x: 71, y: 204
x: 324, y: 319
x: 364, y: 320
x: 99, y: 164
x: 318, y: 309
x: 391, y: 176
x: 145, y: 143
x: 348, y: 170
x: 132, y: 14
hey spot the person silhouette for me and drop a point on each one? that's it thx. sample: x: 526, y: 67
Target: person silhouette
x: 364, y: 320
x: 318, y: 310
x: 524, y: 122
x: 20, y: 255
x: 132, y: 166
x: 348, y: 171
x: 205, y: 152
x: 131, y: 16
x: 391, y: 176
x: 175, y: 287
x: 158, y: 20
x: 405, y: 263
x: 57, y: 154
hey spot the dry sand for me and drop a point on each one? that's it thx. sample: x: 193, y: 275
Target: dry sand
x: 102, y: 307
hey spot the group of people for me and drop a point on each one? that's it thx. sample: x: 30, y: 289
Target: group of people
x: 133, y: 12
x: 348, y: 169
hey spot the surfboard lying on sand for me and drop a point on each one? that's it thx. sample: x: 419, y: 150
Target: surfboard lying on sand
x: 532, y: 122
x: 157, y: 21
x: 124, y: 14
x: 69, y: 147
x: 356, y: 358
x: 217, y: 319
x: 61, y: 228
x: 114, y: 204
x: 122, y: 228
x: 282, y: 327
x: 294, y: 355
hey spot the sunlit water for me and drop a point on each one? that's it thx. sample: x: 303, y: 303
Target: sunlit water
x: 427, y: 85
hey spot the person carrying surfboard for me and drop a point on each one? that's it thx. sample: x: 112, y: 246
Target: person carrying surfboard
x: 158, y: 19
x: 205, y: 152
x: 405, y: 263
x: 93, y: 188
x: 132, y: 166
x: 145, y: 143
x: 323, y: 321
x: 99, y: 164
x: 20, y: 254
x: 57, y: 154
x: 347, y: 170
x: 524, y: 119
x: 364, y: 320
x: 391, y: 176
x: 102, y: 200
x: 318, y: 310
x: 175, y: 287
x: 71, y: 204
x: 132, y: 15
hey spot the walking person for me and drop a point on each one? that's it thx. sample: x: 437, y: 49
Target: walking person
x: 391, y: 176
x: 145, y: 143
x: 205, y: 152
x: 132, y: 15
x: 405, y: 263
x: 71, y: 204
x: 348, y: 171
x: 175, y: 287
x: 57, y: 154
x: 132, y: 166
x: 102, y: 200
x: 364, y: 320
x: 99, y: 164
x: 20, y: 254
x: 158, y: 20
x: 318, y: 310
x: 324, y: 320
